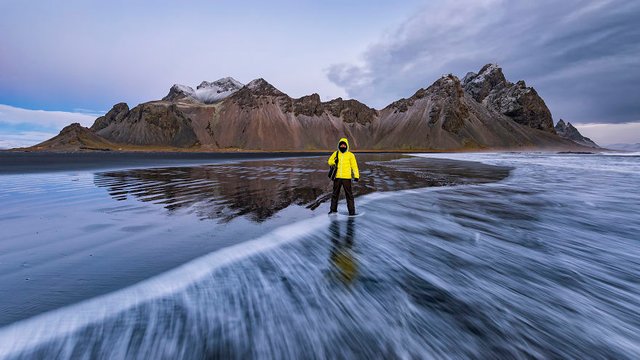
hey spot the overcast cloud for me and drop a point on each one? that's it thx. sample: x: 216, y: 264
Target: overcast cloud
x: 583, y: 57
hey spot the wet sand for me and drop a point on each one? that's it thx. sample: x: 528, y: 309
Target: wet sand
x: 16, y: 162
x: 74, y: 234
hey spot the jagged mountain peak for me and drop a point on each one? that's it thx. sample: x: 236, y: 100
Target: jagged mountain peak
x: 179, y: 92
x: 444, y: 115
x: 446, y: 84
x: 314, y: 97
x: 490, y: 69
x: 480, y: 84
x: 72, y: 128
x: 182, y: 88
x: 565, y: 126
x: 214, y: 91
x: 447, y: 80
x: 224, y: 84
x: 118, y: 112
x: 568, y: 131
x: 261, y: 86
x: 517, y: 101
x: 351, y: 111
x: 207, y: 92
x: 250, y: 95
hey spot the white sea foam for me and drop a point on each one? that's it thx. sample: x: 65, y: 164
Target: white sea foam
x: 621, y: 153
x: 584, y: 162
x: 36, y: 330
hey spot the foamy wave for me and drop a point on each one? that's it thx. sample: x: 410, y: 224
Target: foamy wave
x: 621, y: 153
x: 38, y: 329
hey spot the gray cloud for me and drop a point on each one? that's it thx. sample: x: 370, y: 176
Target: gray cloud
x: 581, y: 56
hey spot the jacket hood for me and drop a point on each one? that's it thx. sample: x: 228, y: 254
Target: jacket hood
x: 345, y: 141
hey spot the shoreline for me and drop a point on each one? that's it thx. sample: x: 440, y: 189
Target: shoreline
x: 153, y: 150
x: 23, y: 162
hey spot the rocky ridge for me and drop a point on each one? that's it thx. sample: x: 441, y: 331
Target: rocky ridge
x: 568, y: 131
x: 206, y: 93
x: 75, y: 137
x: 517, y: 101
x: 483, y: 111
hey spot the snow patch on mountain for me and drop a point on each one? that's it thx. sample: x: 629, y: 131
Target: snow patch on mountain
x: 210, y: 92
x: 207, y: 92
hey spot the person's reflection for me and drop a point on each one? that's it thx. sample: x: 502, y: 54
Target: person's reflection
x: 344, y: 265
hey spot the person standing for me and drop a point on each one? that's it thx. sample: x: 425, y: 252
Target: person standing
x: 347, y: 168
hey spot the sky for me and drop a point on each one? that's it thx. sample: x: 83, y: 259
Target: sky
x: 70, y: 61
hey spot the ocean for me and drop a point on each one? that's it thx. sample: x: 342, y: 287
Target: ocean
x: 470, y: 255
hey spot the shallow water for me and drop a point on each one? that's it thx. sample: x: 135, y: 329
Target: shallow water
x: 543, y: 264
x: 72, y: 235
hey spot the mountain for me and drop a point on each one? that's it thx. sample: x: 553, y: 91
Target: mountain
x: 624, y: 147
x: 445, y: 116
x: 517, y: 101
x: 256, y: 116
x: 568, y: 131
x: 75, y: 137
x: 156, y: 123
x: 483, y: 111
x: 206, y: 92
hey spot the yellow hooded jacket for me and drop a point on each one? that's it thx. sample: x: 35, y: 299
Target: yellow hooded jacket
x: 346, y: 163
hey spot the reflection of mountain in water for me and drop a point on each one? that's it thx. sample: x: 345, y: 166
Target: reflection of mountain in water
x: 259, y: 189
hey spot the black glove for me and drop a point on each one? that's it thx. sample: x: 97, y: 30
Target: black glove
x: 356, y: 179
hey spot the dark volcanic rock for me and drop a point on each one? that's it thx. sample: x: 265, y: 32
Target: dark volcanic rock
x: 517, y: 101
x: 483, y: 111
x: 75, y: 137
x: 568, y: 131
x: 351, y: 111
x: 259, y: 92
x: 446, y: 97
x: 261, y: 87
x: 117, y: 113
x: 252, y: 95
x: 448, y: 92
x: 403, y: 104
x: 446, y: 117
x: 309, y: 105
x: 152, y: 124
x: 481, y: 84
x: 179, y: 92
x: 208, y: 92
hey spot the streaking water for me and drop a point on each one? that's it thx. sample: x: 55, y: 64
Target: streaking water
x: 544, y: 264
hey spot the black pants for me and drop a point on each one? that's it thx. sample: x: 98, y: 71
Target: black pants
x: 346, y: 184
